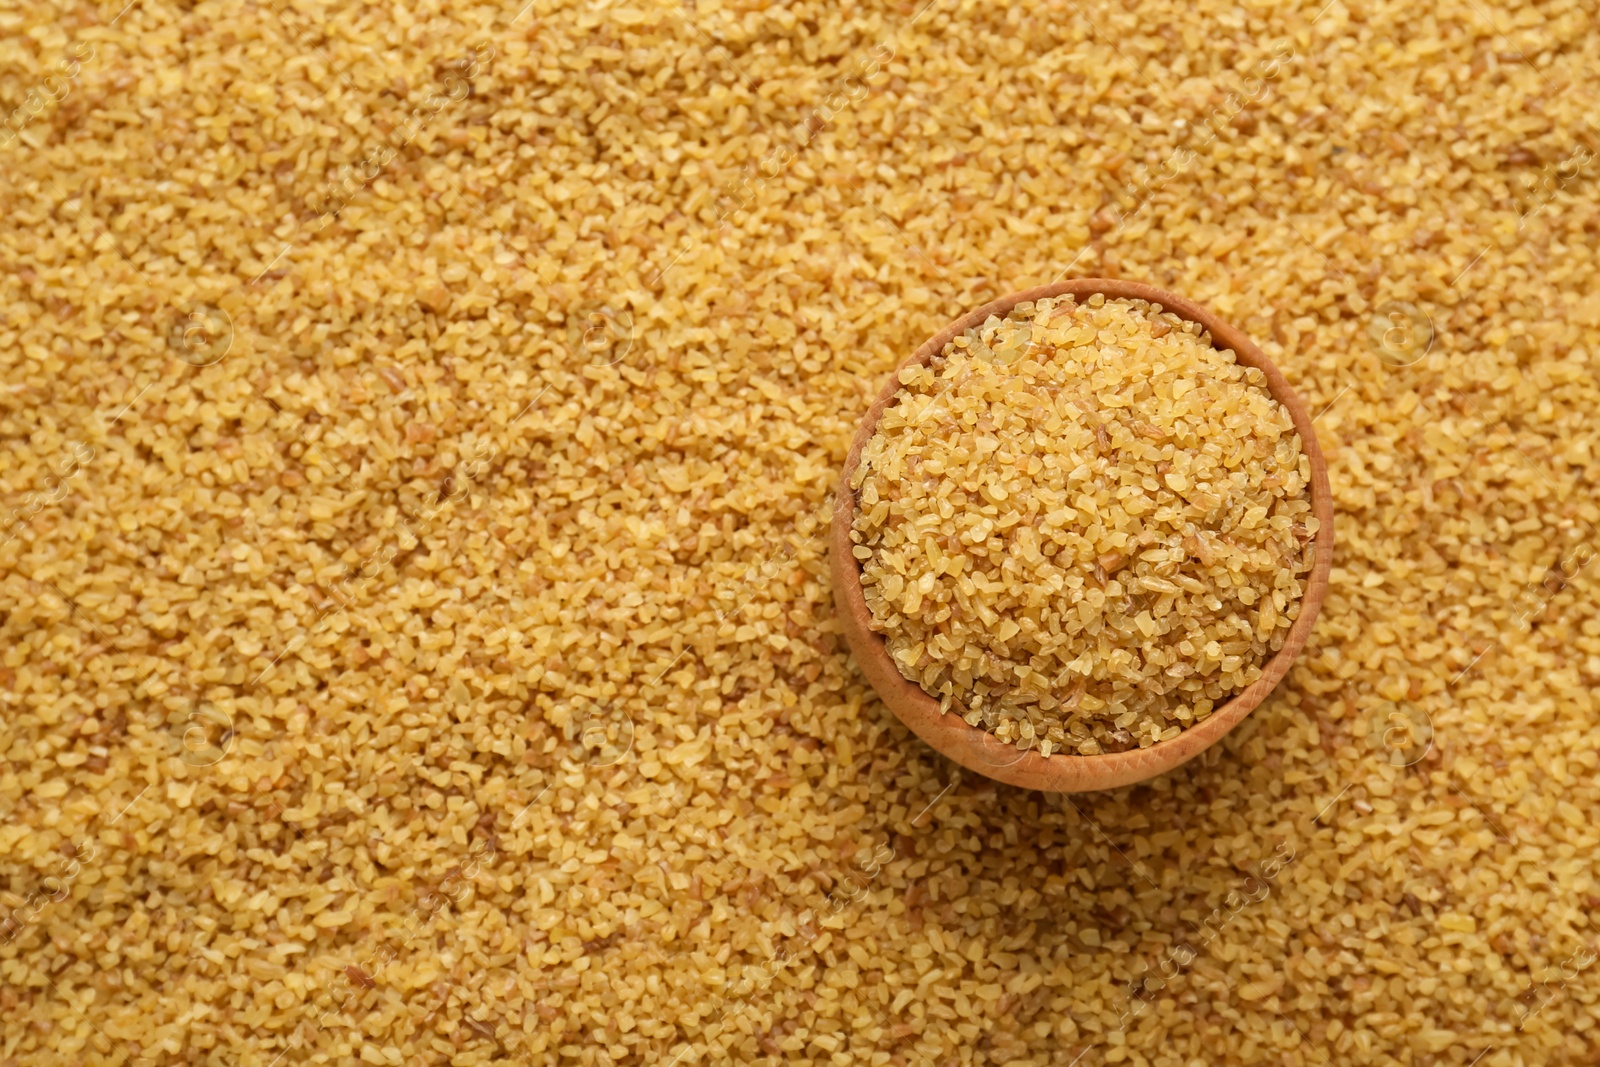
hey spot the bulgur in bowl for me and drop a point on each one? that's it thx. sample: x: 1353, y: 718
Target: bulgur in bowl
x: 1174, y: 713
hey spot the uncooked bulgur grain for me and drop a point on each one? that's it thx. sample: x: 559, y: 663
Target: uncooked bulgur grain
x: 1083, y: 526
x: 425, y: 786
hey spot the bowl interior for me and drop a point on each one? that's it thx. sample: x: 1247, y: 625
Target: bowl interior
x: 974, y: 747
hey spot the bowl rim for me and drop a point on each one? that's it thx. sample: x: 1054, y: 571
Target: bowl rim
x: 975, y: 748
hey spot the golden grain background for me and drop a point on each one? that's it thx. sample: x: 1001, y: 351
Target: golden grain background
x: 418, y: 426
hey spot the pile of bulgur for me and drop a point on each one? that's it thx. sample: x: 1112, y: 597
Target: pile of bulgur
x: 418, y: 684
x: 1082, y: 526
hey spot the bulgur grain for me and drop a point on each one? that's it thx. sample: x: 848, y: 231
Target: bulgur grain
x: 1082, y: 526
x: 608, y: 572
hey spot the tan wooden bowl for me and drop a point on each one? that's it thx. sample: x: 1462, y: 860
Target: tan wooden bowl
x: 977, y: 749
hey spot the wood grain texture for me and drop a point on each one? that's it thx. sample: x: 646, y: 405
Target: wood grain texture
x: 975, y: 748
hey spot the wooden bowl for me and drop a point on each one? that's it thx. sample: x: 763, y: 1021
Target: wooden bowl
x: 976, y: 748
